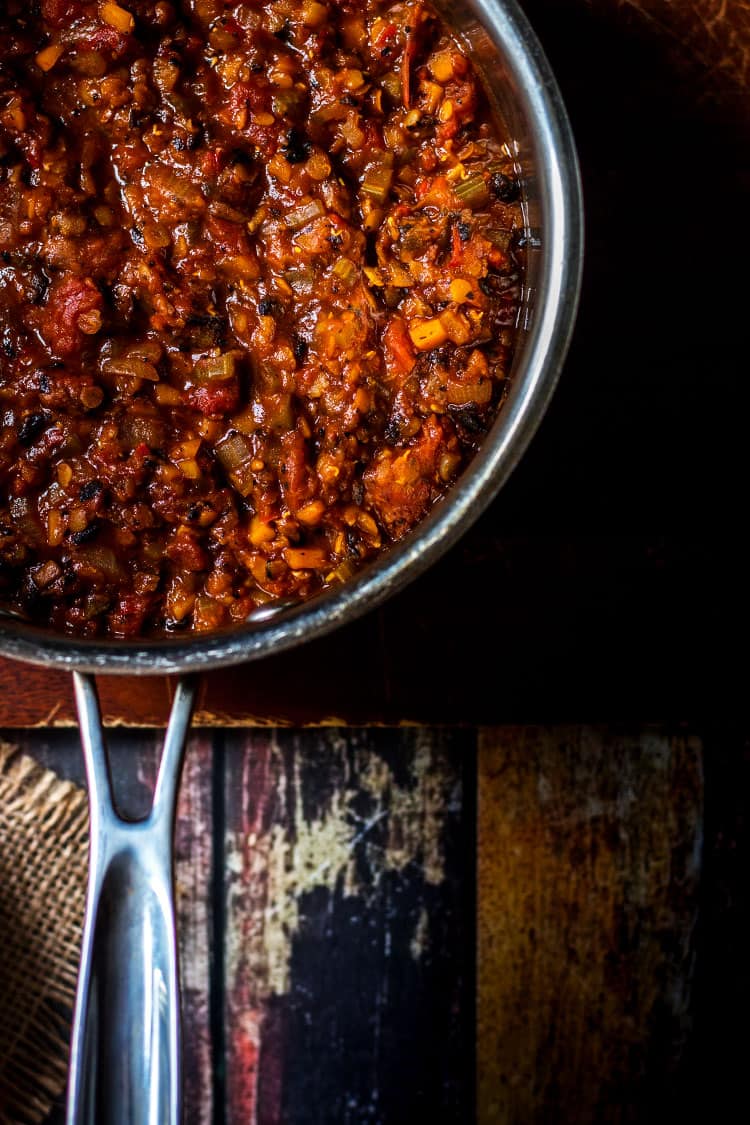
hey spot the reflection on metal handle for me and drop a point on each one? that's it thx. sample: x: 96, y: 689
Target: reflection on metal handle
x: 125, y: 1053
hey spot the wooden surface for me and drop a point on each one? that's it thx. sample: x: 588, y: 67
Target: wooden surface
x: 589, y: 856
x: 608, y: 576
x: 343, y: 962
x: 325, y: 889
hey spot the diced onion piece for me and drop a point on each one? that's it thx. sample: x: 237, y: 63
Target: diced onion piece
x: 131, y: 367
x: 180, y: 600
x: 306, y: 558
x: 209, y: 428
x: 243, y: 479
x: 55, y: 528
x: 185, y: 449
x: 343, y: 572
x: 304, y: 214
x: 190, y: 469
x: 245, y: 422
x: 233, y: 451
x: 138, y: 429
x: 433, y: 93
x: 260, y: 532
x: 311, y: 513
x: 166, y: 395
x: 318, y: 166
x: 499, y: 237
x: 149, y: 350
x: 374, y: 276
x: 216, y: 369
x: 461, y: 394
x: 399, y: 277
x: 456, y: 326
x: 241, y: 266
x: 26, y: 520
x: 207, y: 613
x: 427, y: 334
x: 101, y: 558
x: 117, y: 17
x: 275, y: 412
x: 47, y: 572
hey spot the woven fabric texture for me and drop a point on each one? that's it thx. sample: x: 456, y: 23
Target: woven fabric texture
x: 43, y: 864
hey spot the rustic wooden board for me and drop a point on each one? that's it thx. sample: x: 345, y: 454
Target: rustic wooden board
x: 348, y: 928
x: 325, y: 902
x: 589, y: 868
x: 613, y: 899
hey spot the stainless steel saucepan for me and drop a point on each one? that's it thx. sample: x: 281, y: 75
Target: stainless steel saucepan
x: 125, y: 1055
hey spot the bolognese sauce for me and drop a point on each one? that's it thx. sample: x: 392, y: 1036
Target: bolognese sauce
x: 259, y: 281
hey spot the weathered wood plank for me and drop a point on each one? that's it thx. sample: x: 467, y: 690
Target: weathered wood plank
x: 348, y: 928
x: 589, y: 849
x: 196, y: 836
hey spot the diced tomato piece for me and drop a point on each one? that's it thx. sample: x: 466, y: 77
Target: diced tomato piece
x: 295, y: 476
x: 187, y: 553
x: 399, y: 353
x: 400, y: 487
x: 229, y: 237
x: 68, y: 300
x: 244, y: 100
x: 220, y: 398
x: 61, y: 13
x: 107, y: 38
x: 385, y: 36
x: 128, y: 616
x: 212, y: 162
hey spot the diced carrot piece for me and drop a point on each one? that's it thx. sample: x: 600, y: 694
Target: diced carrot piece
x: 118, y: 18
x: 427, y: 334
x: 306, y: 558
x: 48, y: 56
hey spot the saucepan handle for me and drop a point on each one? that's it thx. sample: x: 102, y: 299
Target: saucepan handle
x: 125, y: 1054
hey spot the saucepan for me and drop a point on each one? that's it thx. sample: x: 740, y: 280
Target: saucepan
x: 125, y: 1055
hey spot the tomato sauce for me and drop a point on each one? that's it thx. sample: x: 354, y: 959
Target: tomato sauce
x: 259, y: 281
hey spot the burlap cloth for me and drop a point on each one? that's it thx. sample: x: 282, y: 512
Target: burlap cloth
x: 43, y: 862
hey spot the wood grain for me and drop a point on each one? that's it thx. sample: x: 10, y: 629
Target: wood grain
x: 348, y: 897
x: 195, y: 840
x: 613, y: 921
x: 589, y: 854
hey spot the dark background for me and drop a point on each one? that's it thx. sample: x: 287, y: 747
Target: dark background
x: 609, y: 577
